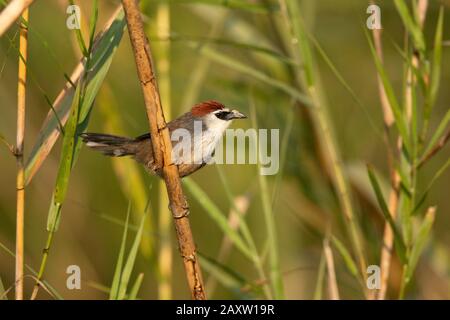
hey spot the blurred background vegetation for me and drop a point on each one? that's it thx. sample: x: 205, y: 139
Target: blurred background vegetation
x: 240, y: 53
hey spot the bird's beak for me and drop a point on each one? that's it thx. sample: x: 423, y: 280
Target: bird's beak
x: 234, y: 114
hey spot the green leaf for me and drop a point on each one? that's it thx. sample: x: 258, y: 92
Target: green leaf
x: 136, y: 286
x: 93, y: 23
x: 224, y: 275
x: 411, y: 25
x: 217, y: 216
x: 398, y: 239
x: 349, y: 263
x: 113, y: 293
x: 3, y: 295
x: 276, y: 279
x: 34, y: 272
x: 254, y: 73
x: 67, y: 158
x: 393, y: 102
x: 80, y: 40
x: 436, y: 66
x: 251, y: 7
x: 305, y: 52
x: 81, y: 106
x: 320, y: 279
x: 103, y: 53
x: 128, y: 267
x: 430, y: 184
x: 343, y: 82
x: 420, y: 242
x: 438, y: 133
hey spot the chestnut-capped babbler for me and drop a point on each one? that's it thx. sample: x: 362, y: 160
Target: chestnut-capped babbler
x: 198, y: 130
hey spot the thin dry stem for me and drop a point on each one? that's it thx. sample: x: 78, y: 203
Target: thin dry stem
x: 388, y: 237
x: 20, y: 183
x: 333, y: 290
x: 438, y: 146
x: 162, y: 148
x: 387, y: 112
x: 11, y: 13
x: 241, y: 203
x: 164, y: 223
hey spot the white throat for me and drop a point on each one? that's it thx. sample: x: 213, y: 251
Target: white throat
x: 198, y: 148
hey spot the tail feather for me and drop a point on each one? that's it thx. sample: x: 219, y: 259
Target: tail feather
x: 110, y: 145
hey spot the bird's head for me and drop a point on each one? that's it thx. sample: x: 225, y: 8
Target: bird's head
x: 215, y: 114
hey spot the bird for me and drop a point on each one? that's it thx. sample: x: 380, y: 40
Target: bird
x: 194, y: 136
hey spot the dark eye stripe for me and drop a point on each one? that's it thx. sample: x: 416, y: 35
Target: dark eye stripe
x: 223, y: 115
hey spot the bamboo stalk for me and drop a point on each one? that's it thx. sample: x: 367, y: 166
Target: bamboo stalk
x: 162, y: 148
x: 20, y: 183
x: 10, y: 14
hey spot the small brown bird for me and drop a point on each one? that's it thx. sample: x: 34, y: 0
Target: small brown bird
x: 194, y: 137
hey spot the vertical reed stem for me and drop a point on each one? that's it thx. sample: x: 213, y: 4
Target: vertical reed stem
x: 164, y: 225
x: 20, y: 183
x: 162, y: 148
x: 333, y: 291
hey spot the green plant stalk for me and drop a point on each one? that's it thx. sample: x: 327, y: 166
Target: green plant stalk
x: 69, y: 153
x: 415, y: 245
x: 306, y: 79
x: 43, y: 265
x: 256, y: 258
x: 276, y: 279
x: 127, y: 171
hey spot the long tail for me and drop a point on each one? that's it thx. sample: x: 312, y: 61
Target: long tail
x: 113, y: 146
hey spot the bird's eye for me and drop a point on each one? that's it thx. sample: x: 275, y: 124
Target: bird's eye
x: 223, y: 115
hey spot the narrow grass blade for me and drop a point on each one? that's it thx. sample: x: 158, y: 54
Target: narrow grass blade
x: 67, y: 158
x: 436, y: 66
x: 270, y: 222
x: 104, y: 48
x: 438, y: 133
x: 2, y: 291
x: 113, y: 293
x: 398, y: 239
x: 93, y: 22
x: 430, y: 184
x: 254, y: 73
x: 393, y: 102
x: 136, y: 286
x: 80, y: 40
x: 128, y: 267
x: 344, y: 83
x: 308, y: 78
x: 320, y: 279
x: 34, y: 272
x: 411, y: 25
x: 420, y: 242
x: 349, y: 263
x: 249, y: 6
x: 127, y: 170
x: 224, y: 275
x: 217, y: 216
